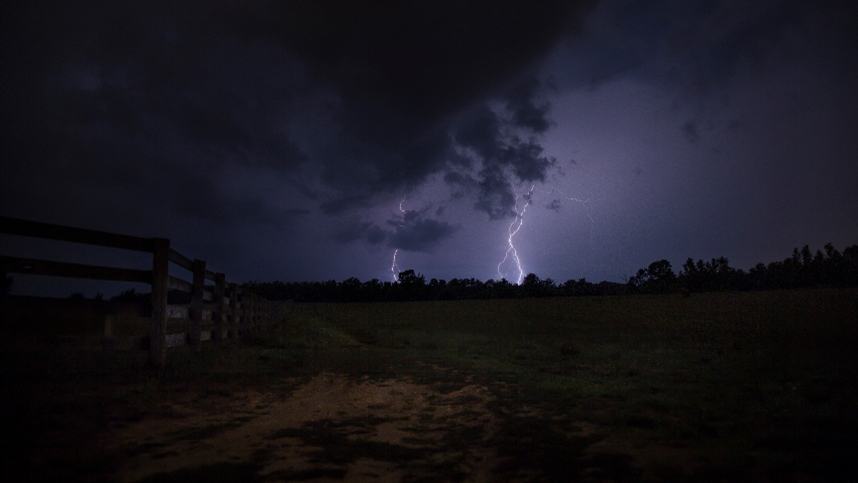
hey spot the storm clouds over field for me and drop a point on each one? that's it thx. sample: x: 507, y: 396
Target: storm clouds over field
x: 280, y: 138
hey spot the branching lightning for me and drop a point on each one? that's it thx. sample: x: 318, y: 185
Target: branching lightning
x: 512, y: 230
x: 394, y: 268
x: 511, y: 260
x: 516, y: 224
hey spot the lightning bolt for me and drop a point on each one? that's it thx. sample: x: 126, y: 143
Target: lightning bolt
x: 394, y: 268
x: 513, y: 230
x: 516, y: 224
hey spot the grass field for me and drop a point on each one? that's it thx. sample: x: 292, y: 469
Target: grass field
x: 756, y: 386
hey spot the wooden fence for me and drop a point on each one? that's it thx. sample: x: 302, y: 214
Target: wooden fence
x: 217, y: 310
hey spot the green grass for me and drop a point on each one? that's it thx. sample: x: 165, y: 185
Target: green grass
x: 760, y: 385
x: 770, y: 376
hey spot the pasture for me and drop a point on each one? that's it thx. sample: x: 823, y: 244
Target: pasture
x: 719, y: 386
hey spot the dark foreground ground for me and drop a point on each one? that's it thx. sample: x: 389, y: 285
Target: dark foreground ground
x: 712, y: 387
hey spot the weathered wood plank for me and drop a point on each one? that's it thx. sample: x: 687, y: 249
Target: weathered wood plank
x: 215, y: 312
x: 220, y: 304
x: 160, y: 283
x: 235, y: 312
x: 74, y: 270
x: 175, y: 283
x: 197, y: 308
x: 17, y: 226
x: 181, y: 260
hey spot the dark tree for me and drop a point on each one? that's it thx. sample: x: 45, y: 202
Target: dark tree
x: 805, y: 268
x: 657, y: 277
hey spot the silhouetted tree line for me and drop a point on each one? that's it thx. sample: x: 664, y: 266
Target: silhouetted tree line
x: 413, y: 286
x: 829, y: 268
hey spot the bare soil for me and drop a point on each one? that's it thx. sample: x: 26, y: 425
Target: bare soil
x: 331, y: 427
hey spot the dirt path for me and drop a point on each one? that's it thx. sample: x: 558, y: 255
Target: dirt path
x: 331, y: 427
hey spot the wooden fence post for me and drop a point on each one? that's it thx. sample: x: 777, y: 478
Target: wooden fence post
x: 235, y: 316
x: 220, y: 304
x: 251, y: 312
x: 197, y: 303
x: 245, y: 313
x: 160, y: 281
x: 108, y: 342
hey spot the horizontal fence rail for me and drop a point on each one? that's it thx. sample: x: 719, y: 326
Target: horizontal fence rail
x: 216, y: 312
x: 73, y: 270
x: 17, y: 226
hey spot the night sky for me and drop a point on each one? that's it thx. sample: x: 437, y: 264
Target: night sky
x: 278, y: 139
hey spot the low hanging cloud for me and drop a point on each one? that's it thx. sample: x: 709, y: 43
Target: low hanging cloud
x: 420, y: 234
x: 505, y: 145
x: 343, y: 103
x: 414, y: 230
x: 698, y: 53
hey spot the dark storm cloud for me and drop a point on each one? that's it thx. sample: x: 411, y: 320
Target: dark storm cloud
x: 421, y: 235
x: 342, y: 103
x: 490, y: 140
x: 268, y: 132
x: 231, y: 210
x: 367, y: 231
x: 495, y: 197
x: 414, y: 231
x: 690, y: 131
x: 120, y: 104
x: 527, y: 109
x: 695, y: 50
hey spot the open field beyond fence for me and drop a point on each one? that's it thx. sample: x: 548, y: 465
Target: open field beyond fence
x: 724, y: 386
